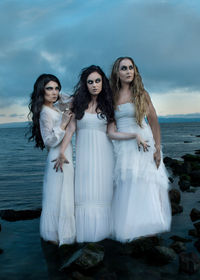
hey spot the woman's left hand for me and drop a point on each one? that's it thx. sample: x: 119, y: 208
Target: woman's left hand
x: 157, y: 157
x: 59, y: 161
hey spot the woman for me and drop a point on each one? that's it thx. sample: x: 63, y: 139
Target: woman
x: 48, y: 127
x: 140, y: 205
x: 93, y: 111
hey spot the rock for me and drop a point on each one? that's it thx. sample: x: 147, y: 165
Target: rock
x: 86, y: 258
x: 197, y: 152
x: 184, y: 185
x: 191, y: 190
x: 189, y: 262
x: 195, y: 178
x: 160, y: 255
x: 12, y: 215
x: 197, y: 226
x: 197, y: 244
x: 78, y: 276
x: 178, y: 246
x: 167, y: 161
x: 176, y: 209
x: 195, y: 215
x: 191, y: 158
x: 0, y: 227
x: 187, y: 141
x: 1, y: 251
x: 179, y: 238
x: 109, y: 276
x: 141, y: 245
x: 197, y: 135
x: 193, y: 232
x: 175, y: 196
x: 171, y: 179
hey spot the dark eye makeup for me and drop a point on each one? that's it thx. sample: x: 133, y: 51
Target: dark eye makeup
x: 124, y: 68
x: 51, y: 88
x: 90, y: 82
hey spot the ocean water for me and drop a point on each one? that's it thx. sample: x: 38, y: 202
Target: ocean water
x: 22, y: 165
x: 21, y: 176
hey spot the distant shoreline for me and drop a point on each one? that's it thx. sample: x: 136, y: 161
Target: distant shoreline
x: 160, y: 119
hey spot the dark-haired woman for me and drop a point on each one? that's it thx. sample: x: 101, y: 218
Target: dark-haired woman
x: 141, y: 206
x: 93, y: 112
x: 57, y: 223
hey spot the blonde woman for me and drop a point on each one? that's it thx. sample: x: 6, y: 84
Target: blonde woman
x: 141, y: 205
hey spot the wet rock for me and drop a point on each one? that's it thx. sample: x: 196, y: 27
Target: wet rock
x: 197, y: 135
x: 197, y: 245
x: 191, y: 158
x: 12, y: 215
x: 160, y: 255
x: 175, y: 196
x: 78, y: 276
x: 197, y: 152
x: 197, y: 226
x: 171, y: 179
x: 193, y: 232
x: 195, y: 215
x: 0, y: 227
x: 141, y: 245
x: 179, y: 238
x: 108, y: 276
x: 1, y: 251
x: 184, y: 185
x: 86, y: 258
x: 189, y: 262
x: 187, y: 141
x: 178, y: 246
x: 195, y: 178
x: 176, y: 208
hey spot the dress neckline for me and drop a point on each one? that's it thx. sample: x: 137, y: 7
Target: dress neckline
x: 125, y: 103
x: 45, y: 106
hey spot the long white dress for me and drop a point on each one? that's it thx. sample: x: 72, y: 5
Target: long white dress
x: 93, y: 179
x: 141, y: 205
x: 57, y: 221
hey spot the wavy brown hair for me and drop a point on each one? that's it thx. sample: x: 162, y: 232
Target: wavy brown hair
x: 139, y: 97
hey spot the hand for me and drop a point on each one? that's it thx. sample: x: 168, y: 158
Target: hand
x: 157, y: 157
x: 59, y: 161
x: 66, y: 117
x: 140, y: 142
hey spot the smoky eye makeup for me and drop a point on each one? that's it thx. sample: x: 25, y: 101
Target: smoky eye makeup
x: 131, y: 67
x: 98, y: 80
x: 90, y: 82
x: 51, y: 88
x: 124, y: 68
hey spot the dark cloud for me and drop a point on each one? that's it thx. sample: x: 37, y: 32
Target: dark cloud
x: 61, y: 38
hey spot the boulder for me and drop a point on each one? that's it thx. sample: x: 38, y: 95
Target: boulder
x: 189, y: 262
x: 197, y: 226
x: 86, y: 258
x: 179, y: 238
x: 171, y: 179
x: 12, y: 215
x: 191, y: 158
x: 195, y: 178
x: 197, y: 152
x: 197, y: 244
x: 176, y: 208
x: 141, y: 245
x: 195, y: 215
x: 78, y: 276
x: 194, y: 232
x: 178, y: 246
x: 160, y: 255
x: 184, y: 185
x: 175, y: 196
x: 1, y: 251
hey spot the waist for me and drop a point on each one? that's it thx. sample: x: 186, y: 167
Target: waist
x: 129, y: 124
x: 92, y: 127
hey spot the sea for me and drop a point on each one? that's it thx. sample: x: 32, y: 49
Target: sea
x: 21, y: 176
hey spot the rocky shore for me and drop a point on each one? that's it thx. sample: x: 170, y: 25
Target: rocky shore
x: 164, y: 256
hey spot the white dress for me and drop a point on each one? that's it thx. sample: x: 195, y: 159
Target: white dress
x: 93, y: 179
x: 141, y: 205
x: 57, y: 221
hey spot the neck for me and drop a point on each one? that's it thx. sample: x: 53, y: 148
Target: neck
x: 48, y: 104
x: 125, y: 86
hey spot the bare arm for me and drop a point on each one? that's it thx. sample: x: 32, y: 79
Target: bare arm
x: 153, y: 122
x: 61, y: 159
x: 116, y: 135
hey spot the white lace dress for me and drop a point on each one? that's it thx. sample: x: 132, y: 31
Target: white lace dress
x: 93, y: 179
x: 141, y: 205
x: 57, y: 221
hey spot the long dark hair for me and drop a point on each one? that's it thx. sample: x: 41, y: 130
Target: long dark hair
x: 35, y: 107
x: 82, y: 97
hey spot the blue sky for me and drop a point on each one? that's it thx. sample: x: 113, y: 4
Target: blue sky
x: 61, y: 37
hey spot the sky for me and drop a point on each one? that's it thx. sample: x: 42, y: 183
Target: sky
x: 61, y: 37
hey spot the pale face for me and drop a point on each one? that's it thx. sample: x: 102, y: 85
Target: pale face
x: 94, y: 83
x: 51, y: 91
x: 126, y: 71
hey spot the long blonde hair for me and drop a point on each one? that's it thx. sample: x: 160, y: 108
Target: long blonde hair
x: 137, y: 89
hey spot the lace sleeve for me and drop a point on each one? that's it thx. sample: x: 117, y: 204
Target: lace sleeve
x: 51, y: 135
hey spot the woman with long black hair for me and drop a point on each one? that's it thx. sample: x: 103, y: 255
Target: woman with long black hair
x: 93, y: 112
x: 48, y: 128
